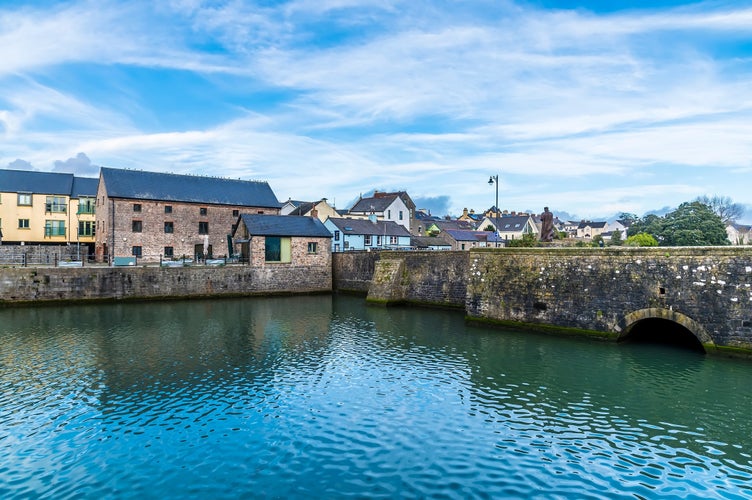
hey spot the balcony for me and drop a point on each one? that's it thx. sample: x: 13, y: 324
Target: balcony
x: 55, y: 208
x: 86, y: 209
x: 50, y: 232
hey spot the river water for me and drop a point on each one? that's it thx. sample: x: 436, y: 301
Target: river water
x: 325, y: 397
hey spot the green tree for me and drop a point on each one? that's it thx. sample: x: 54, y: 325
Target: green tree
x: 693, y: 224
x: 489, y: 228
x: 641, y: 240
x: 616, y: 238
x: 527, y: 240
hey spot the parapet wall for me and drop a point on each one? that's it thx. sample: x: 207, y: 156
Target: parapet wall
x: 26, y: 285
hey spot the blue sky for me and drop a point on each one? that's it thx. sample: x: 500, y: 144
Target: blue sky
x: 585, y: 107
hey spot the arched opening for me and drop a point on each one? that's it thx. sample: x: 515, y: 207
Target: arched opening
x: 664, y: 332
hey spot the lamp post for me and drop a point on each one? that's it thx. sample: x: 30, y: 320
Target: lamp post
x: 494, y: 179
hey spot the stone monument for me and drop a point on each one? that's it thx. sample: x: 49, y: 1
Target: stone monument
x: 547, y: 226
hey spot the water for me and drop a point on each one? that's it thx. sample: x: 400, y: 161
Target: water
x: 322, y: 396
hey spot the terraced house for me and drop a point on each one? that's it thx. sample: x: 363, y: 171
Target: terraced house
x: 153, y: 216
x: 47, y: 208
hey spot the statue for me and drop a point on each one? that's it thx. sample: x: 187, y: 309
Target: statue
x: 547, y: 226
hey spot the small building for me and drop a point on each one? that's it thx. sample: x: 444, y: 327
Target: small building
x: 589, y: 229
x: 268, y: 240
x: 151, y: 215
x: 465, y: 240
x: 511, y: 227
x: 430, y: 243
x: 47, y: 208
x: 367, y: 234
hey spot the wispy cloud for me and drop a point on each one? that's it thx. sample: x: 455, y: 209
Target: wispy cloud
x: 584, y: 110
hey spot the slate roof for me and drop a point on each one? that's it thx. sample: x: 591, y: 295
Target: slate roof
x: 368, y: 205
x: 284, y: 225
x: 84, y: 186
x: 140, y: 185
x: 594, y: 225
x: 29, y: 181
x: 365, y: 226
x: 303, y: 208
x: 511, y: 223
x: 429, y: 241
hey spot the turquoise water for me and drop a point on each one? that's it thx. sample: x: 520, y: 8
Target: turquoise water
x: 324, y: 397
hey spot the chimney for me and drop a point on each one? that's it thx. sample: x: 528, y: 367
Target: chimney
x: 464, y: 212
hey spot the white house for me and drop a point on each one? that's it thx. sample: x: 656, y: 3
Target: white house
x: 396, y: 207
x: 366, y: 234
x: 511, y: 227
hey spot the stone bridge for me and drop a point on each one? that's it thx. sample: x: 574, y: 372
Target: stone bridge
x: 612, y: 293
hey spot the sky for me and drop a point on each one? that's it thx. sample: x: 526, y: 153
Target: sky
x: 586, y: 107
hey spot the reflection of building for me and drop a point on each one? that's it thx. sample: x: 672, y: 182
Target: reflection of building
x: 149, y: 214
x: 46, y: 207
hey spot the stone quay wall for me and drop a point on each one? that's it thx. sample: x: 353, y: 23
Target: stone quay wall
x: 41, y: 284
x: 437, y: 278
x: 707, y: 290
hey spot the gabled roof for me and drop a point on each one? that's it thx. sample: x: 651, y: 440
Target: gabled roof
x: 429, y: 241
x: 156, y: 186
x: 367, y: 227
x: 284, y: 225
x: 303, y: 208
x: 462, y: 235
x: 29, y: 181
x: 380, y: 201
x: 511, y: 223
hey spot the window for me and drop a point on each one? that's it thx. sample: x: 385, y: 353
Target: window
x: 312, y: 247
x: 336, y: 235
x: 203, y: 228
x: 23, y: 223
x: 24, y: 199
x: 400, y: 215
x: 169, y: 252
x: 388, y: 214
x: 378, y: 241
x: 393, y: 240
x: 136, y: 251
x: 86, y: 228
x: 136, y: 207
x: 277, y: 249
x: 86, y: 206
x: 54, y: 228
x: 235, y: 213
x: 56, y: 204
x: 169, y: 227
x: 136, y: 226
x: 168, y: 209
x: 202, y: 211
x: 367, y: 241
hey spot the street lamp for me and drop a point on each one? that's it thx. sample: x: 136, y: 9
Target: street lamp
x: 494, y: 179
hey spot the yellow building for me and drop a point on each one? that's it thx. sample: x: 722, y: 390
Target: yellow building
x: 47, y: 208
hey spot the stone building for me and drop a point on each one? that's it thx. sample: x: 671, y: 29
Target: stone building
x: 152, y: 215
x: 274, y: 240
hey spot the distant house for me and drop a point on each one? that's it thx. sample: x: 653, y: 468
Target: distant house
x: 367, y: 234
x: 47, y: 208
x: 396, y: 207
x: 739, y: 234
x: 321, y: 209
x: 153, y: 215
x: 511, y: 227
x: 465, y: 240
x: 589, y: 229
x: 621, y: 225
x: 430, y: 243
x: 263, y: 240
x: 470, y: 216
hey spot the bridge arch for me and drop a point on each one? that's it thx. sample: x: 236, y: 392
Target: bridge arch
x: 630, y: 321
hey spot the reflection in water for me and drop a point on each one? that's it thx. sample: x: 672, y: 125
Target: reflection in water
x: 323, y: 396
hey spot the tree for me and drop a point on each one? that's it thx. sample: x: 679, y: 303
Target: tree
x: 641, y: 240
x: 723, y: 206
x: 527, y: 240
x: 489, y: 228
x: 616, y: 238
x: 693, y: 224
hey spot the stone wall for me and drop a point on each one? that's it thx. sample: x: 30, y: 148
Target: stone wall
x: 15, y: 255
x: 708, y: 290
x: 429, y: 278
x: 26, y: 285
